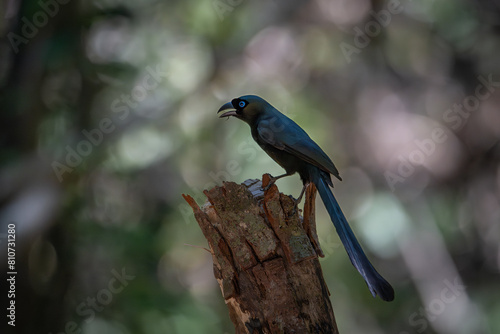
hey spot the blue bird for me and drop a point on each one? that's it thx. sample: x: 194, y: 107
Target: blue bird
x: 292, y: 148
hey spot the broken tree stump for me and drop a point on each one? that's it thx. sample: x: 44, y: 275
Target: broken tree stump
x: 266, y: 258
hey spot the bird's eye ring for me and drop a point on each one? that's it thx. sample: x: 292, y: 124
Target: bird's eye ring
x: 242, y: 104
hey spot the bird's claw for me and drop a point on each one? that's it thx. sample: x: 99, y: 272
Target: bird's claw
x: 295, y: 209
x: 266, y: 188
x: 270, y: 184
x: 296, y: 202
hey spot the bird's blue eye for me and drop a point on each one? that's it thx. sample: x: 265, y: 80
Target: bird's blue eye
x: 242, y: 104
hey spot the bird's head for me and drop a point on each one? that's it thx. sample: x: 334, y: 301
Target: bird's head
x: 247, y: 108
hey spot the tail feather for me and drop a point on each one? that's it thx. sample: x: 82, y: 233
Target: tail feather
x: 376, y: 283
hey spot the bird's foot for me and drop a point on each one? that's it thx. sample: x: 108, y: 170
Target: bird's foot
x: 296, y: 202
x: 272, y: 180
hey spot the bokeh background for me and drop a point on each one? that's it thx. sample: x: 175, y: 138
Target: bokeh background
x: 109, y: 114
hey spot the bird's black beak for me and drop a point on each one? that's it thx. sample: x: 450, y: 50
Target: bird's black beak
x: 227, y: 106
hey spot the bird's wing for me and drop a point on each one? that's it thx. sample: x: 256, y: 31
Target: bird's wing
x: 284, y: 134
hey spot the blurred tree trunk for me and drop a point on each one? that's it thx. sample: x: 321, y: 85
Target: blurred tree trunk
x: 266, y: 259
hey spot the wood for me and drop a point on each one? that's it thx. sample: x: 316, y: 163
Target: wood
x: 266, y: 258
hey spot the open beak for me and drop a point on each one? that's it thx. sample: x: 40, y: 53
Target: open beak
x: 227, y: 106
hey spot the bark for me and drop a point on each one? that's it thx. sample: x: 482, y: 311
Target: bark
x: 266, y: 258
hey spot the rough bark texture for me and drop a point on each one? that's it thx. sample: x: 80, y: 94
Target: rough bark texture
x: 266, y: 258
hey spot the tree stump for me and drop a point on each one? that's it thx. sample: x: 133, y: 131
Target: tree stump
x: 266, y: 258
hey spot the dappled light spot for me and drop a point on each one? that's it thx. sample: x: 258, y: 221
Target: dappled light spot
x: 383, y: 224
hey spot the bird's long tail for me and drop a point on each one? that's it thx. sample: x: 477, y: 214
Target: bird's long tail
x: 376, y: 283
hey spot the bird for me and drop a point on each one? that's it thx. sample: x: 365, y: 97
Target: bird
x: 292, y: 148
